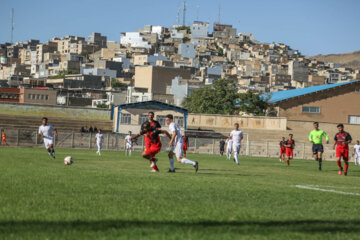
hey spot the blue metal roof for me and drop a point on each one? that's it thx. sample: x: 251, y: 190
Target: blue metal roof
x: 283, y: 95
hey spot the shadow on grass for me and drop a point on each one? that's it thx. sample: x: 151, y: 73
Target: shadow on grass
x: 260, y: 227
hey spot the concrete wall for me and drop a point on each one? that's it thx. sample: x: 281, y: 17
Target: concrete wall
x: 335, y: 105
x: 54, y: 111
x: 214, y: 122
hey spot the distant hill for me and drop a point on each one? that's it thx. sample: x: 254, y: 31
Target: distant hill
x: 351, y: 60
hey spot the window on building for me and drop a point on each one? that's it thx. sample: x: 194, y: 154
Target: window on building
x: 33, y: 96
x: 42, y: 97
x: 125, y: 118
x: 29, y: 96
x: 179, y: 121
x: 143, y: 118
x: 46, y: 97
x: 161, y: 120
x: 38, y: 96
x: 311, y: 109
x: 354, y: 119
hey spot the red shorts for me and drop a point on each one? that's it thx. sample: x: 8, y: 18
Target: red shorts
x: 342, y: 152
x: 289, y: 152
x: 282, y: 151
x: 184, y: 146
x: 152, y: 149
x: 3, y: 140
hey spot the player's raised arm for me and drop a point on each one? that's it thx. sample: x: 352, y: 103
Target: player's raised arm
x: 166, y: 133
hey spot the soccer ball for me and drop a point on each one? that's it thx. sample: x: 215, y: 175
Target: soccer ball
x: 68, y: 160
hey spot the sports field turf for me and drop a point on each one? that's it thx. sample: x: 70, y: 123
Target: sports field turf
x: 114, y: 197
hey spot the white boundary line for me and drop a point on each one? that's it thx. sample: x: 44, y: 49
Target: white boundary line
x: 326, y: 190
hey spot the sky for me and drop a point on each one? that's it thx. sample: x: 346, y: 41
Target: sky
x: 311, y: 26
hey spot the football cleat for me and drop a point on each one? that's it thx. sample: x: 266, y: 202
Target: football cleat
x: 340, y: 171
x: 171, y: 171
x: 153, y: 170
x: 345, y: 173
x: 196, y: 167
x: 153, y: 163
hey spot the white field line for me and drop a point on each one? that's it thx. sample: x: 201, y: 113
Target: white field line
x: 326, y: 190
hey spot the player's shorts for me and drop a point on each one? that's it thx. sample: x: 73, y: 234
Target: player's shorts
x: 316, y: 148
x: 222, y: 149
x: 229, y: 149
x: 342, y: 152
x: 128, y: 146
x: 153, y: 149
x: 282, y: 151
x: 289, y: 152
x: 184, y: 147
x: 236, y: 147
x: 99, y: 144
x: 3, y: 140
x: 48, y: 142
x: 177, y: 149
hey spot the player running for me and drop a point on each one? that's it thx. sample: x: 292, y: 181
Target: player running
x: 237, y: 136
x: 152, y: 143
x: 229, y: 143
x: 222, y: 146
x: 99, y: 139
x: 282, y: 150
x: 315, y: 138
x: 3, y: 138
x: 176, y: 145
x: 128, y: 144
x: 47, y: 132
x: 342, y: 140
x: 290, y: 145
x: 185, y: 143
x: 357, y: 153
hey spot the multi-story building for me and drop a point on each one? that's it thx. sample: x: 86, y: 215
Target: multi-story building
x: 134, y: 39
x: 98, y: 40
x: 199, y: 29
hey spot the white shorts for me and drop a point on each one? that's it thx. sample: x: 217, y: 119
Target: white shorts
x: 177, y: 149
x: 229, y: 149
x: 48, y: 141
x: 236, y: 148
x: 99, y: 144
x: 128, y: 146
x: 357, y: 155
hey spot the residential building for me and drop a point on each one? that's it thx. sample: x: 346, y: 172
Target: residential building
x: 134, y: 39
x: 156, y: 78
x: 187, y: 50
x: 199, y: 29
x: 98, y: 40
x: 148, y: 59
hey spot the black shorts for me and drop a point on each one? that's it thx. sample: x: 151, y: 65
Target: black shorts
x: 222, y: 149
x: 316, y: 148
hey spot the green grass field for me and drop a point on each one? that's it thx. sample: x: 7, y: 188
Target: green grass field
x: 114, y: 197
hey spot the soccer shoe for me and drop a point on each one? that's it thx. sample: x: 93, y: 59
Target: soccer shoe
x: 319, y: 168
x: 345, y: 173
x: 340, y: 171
x: 171, y: 171
x: 153, y: 170
x: 153, y: 162
x: 196, y: 167
x: 280, y: 160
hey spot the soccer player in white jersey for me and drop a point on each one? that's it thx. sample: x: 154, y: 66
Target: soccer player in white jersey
x: 237, y: 136
x: 357, y: 153
x: 47, y: 132
x: 229, y: 144
x: 99, y: 139
x: 128, y: 144
x: 176, y: 145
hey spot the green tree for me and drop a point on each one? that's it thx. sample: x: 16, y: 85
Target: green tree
x: 218, y: 98
x: 116, y: 84
x: 252, y: 103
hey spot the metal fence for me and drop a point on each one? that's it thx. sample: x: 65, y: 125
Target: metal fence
x: 200, y: 145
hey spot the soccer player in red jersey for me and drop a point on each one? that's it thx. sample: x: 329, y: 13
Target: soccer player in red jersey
x: 282, y: 149
x: 342, y: 140
x: 152, y: 143
x: 185, y: 143
x: 290, y: 145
